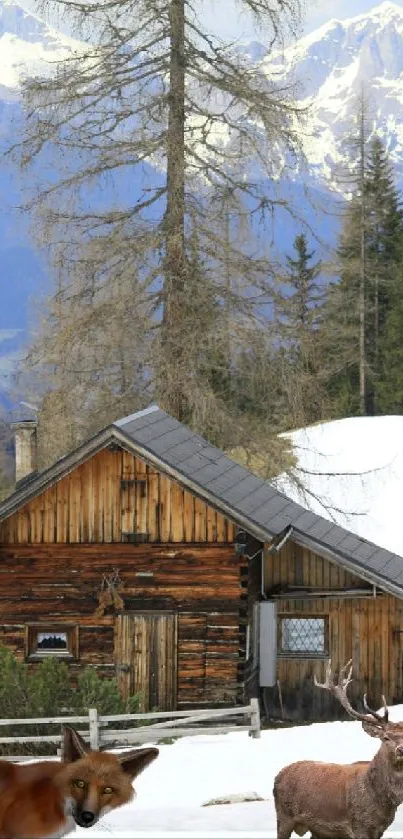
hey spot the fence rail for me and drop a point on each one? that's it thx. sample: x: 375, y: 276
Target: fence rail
x: 174, y: 724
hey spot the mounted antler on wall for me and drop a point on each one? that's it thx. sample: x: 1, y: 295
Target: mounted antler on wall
x: 109, y: 593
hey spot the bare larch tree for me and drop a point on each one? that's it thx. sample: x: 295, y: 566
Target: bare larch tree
x: 190, y: 137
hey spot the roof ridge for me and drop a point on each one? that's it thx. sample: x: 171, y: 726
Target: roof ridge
x: 137, y: 415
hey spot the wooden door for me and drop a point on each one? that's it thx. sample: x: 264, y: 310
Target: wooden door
x: 146, y: 658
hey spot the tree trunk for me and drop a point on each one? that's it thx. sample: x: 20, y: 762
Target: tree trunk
x: 228, y: 286
x: 173, y: 339
x: 361, y: 294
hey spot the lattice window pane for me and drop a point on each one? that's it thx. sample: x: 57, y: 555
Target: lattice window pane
x: 303, y: 635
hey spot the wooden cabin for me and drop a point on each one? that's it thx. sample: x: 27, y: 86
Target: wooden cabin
x: 150, y: 555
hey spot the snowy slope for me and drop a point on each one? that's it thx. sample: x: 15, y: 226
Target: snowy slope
x: 27, y: 45
x: 330, y: 66
x: 353, y: 472
x: 193, y: 770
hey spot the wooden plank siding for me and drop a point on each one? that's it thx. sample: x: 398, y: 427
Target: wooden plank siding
x: 366, y: 629
x: 147, y: 660
x: 89, y: 505
x: 56, y: 551
x: 61, y: 583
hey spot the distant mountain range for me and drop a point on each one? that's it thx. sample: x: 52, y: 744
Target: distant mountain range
x: 328, y: 67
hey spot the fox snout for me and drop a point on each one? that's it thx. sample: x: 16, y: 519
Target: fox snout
x: 85, y: 811
x: 89, y: 800
x: 84, y: 818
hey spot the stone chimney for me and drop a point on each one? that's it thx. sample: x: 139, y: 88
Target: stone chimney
x: 25, y: 448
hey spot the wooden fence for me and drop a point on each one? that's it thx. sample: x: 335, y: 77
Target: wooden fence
x: 174, y: 724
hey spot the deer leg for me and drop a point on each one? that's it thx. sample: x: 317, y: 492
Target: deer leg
x: 361, y: 831
x: 284, y: 828
x: 369, y: 835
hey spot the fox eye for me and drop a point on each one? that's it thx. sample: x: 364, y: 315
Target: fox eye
x: 107, y: 790
x: 78, y: 783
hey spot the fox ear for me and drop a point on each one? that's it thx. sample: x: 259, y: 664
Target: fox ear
x: 135, y: 762
x: 74, y: 746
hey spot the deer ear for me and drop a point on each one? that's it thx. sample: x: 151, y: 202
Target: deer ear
x: 374, y: 730
x: 135, y: 762
x: 74, y: 746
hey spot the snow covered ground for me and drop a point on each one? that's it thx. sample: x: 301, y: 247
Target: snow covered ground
x: 171, y: 792
x: 353, y: 471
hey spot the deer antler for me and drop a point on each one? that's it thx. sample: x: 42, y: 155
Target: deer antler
x: 378, y: 717
x: 339, y: 690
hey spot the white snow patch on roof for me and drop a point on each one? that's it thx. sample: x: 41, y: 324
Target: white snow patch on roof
x: 353, y: 473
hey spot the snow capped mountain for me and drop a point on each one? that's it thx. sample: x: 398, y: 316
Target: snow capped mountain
x: 330, y: 67
x: 27, y: 44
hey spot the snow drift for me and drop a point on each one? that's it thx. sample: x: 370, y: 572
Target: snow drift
x: 352, y: 471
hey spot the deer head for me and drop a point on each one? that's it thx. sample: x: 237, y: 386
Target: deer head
x: 374, y: 724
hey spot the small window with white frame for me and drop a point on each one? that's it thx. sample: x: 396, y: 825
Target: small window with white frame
x: 51, y: 640
x: 303, y: 636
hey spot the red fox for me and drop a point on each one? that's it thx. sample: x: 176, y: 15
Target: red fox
x: 46, y: 800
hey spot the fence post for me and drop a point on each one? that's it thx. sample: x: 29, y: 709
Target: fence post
x: 60, y: 750
x: 94, y: 729
x: 254, y: 718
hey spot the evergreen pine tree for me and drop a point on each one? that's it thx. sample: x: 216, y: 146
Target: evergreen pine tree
x: 384, y: 240
x: 359, y: 306
x: 345, y: 369
x: 299, y: 314
x: 390, y: 386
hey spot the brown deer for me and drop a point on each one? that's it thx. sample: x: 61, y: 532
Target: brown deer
x: 353, y: 801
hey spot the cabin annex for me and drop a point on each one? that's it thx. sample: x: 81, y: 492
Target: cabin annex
x: 150, y: 555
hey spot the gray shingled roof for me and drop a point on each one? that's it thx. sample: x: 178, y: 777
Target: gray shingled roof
x: 254, y: 504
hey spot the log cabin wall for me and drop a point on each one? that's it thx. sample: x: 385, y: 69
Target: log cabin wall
x: 56, y: 551
x: 369, y: 630
x: 111, y: 494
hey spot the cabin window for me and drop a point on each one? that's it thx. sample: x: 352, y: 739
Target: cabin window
x: 303, y: 636
x: 57, y: 641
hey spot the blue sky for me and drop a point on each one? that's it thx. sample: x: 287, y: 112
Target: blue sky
x: 323, y: 10
x: 224, y: 17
